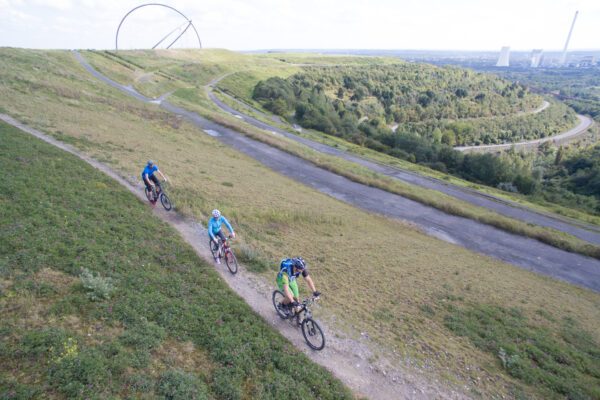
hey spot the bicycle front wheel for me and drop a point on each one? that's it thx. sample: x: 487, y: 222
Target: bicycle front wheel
x: 313, y: 334
x: 164, y: 200
x: 231, y: 262
x: 281, y: 310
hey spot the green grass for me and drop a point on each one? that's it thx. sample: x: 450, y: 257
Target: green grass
x: 440, y: 201
x: 403, y: 276
x: 59, y: 216
x: 564, y: 364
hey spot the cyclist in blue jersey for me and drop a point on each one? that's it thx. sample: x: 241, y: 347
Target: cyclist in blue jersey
x: 214, y: 231
x: 149, y: 178
x: 289, y: 270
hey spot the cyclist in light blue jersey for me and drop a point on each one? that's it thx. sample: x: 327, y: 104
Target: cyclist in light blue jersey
x: 214, y: 231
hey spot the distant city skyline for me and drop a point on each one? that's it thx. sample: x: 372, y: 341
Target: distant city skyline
x: 466, y: 25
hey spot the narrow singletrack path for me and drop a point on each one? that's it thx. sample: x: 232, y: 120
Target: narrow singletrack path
x: 347, y: 359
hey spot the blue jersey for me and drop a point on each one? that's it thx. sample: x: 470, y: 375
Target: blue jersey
x: 149, y: 171
x: 214, y: 226
x: 287, y: 267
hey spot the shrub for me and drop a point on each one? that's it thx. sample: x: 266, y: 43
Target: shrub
x: 252, y: 259
x: 98, y: 288
x: 180, y: 385
x: 508, y: 187
x: 79, y: 375
x: 41, y: 342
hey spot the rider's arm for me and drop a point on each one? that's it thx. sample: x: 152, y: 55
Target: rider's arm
x: 161, y: 174
x: 210, y: 230
x: 228, y: 225
x: 310, y: 283
x: 145, y: 176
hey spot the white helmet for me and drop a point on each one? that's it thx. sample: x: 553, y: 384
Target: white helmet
x: 216, y: 213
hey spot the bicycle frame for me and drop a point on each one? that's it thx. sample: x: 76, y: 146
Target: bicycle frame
x: 305, y: 309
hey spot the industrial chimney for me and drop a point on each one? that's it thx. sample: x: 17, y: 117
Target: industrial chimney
x: 563, y: 58
x: 504, y: 56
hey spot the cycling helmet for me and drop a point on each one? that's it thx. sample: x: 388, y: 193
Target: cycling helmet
x: 299, y: 263
x: 150, y: 163
x: 216, y: 213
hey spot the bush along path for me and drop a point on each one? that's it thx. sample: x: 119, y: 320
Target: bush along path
x: 347, y: 359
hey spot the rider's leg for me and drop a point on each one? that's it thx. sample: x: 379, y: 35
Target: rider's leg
x: 148, y: 186
x: 223, y: 239
x: 293, y: 285
x: 156, y: 182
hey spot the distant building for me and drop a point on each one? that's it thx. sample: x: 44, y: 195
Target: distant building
x: 536, y: 58
x: 587, y: 61
x: 504, y: 56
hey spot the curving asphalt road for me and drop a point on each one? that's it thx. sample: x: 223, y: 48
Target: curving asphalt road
x: 523, y: 252
x: 584, y: 124
x: 581, y: 230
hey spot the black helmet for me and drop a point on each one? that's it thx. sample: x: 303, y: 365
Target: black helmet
x: 299, y: 263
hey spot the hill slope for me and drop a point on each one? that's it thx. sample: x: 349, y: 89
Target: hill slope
x: 152, y: 318
x: 414, y: 298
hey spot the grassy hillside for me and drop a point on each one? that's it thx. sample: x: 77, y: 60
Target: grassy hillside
x: 191, y: 96
x: 421, y: 302
x: 147, y: 318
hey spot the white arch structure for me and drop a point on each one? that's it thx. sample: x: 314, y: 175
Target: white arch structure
x: 188, y: 24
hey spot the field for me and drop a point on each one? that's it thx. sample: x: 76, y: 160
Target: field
x: 195, y: 99
x: 99, y: 299
x: 452, y: 315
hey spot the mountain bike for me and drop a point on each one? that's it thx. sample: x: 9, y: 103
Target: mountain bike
x: 153, y: 195
x: 312, y: 332
x: 223, y: 250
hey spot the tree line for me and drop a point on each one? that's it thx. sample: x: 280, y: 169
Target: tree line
x: 353, y: 104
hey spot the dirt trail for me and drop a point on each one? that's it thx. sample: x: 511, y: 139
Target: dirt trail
x: 347, y: 359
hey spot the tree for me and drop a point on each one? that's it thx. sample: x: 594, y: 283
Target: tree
x: 436, y: 135
x: 449, y: 138
x: 559, y: 156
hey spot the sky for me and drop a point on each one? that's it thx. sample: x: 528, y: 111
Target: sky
x: 304, y: 24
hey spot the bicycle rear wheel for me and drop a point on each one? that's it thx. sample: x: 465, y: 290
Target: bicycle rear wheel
x: 313, y: 334
x: 282, y: 311
x: 231, y: 262
x: 164, y: 200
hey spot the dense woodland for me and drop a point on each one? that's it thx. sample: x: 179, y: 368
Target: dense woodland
x: 577, y: 87
x: 448, y: 105
x: 438, y: 108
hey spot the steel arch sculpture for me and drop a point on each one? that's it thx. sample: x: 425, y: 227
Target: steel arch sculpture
x: 189, y: 24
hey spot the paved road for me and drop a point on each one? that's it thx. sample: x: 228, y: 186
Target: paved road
x: 526, y: 253
x: 581, y: 230
x: 584, y: 124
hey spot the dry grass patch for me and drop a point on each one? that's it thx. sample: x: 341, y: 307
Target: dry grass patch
x: 183, y: 355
